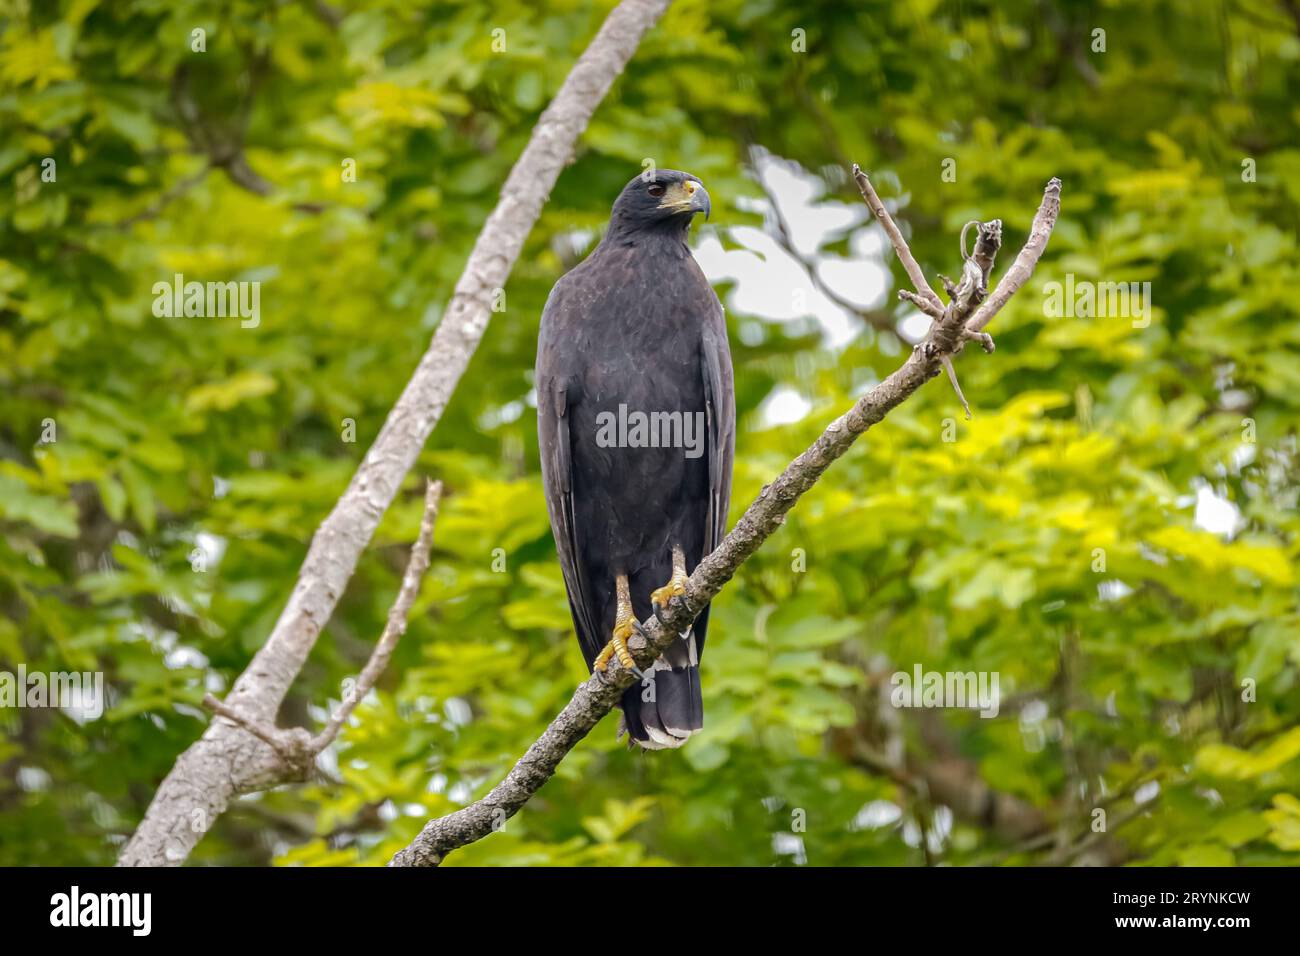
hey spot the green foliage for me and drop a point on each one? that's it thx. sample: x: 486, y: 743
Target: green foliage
x: 1052, y: 541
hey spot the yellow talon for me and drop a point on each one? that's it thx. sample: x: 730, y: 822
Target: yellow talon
x: 676, y: 585
x: 624, y: 625
x: 617, y: 646
x: 674, y: 588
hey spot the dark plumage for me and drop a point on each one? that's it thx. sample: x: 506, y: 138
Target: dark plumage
x: 637, y: 325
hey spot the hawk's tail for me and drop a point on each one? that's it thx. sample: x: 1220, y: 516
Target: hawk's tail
x: 666, y: 708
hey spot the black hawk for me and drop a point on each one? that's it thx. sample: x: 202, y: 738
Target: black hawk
x: 636, y: 423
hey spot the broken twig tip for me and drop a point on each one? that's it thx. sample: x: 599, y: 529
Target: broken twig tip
x: 952, y: 377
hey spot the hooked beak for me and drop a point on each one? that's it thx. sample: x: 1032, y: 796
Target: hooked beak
x: 699, y: 201
x: 687, y: 196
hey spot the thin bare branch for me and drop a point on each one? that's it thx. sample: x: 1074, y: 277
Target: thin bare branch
x: 396, y: 626
x: 921, y: 302
x: 895, y: 236
x: 956, y: 386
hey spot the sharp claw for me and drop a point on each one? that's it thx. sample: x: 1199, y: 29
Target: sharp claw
x: 659, y: 614
x: 630, y: 665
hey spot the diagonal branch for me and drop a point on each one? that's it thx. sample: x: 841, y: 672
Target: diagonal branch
x: 1039, y: 232
x: 922, y: 303
x: 226, y: 760
x: 596, y: 696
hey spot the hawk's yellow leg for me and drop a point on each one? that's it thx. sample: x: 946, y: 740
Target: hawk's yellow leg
x: 625, y: 624
x: 676, y: 585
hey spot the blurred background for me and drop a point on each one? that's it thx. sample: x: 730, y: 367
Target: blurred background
x: 1114, y: 532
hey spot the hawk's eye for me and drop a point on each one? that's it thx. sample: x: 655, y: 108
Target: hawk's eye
x: 656, y: 189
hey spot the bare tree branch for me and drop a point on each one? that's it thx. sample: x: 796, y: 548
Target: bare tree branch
x: 922, y: 303
x: 973, y: 286
x: 895, y: 236
x: 596, y: 696
x: 956, y: 386
x: 226, y: 760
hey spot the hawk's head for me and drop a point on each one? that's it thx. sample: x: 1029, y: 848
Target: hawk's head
x: 660, y: 198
